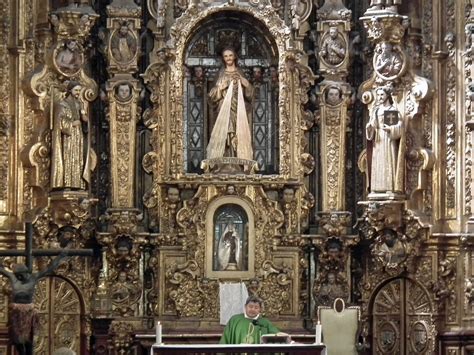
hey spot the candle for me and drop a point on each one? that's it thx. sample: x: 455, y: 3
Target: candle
x: 158, y: 333
x: 318, y: 333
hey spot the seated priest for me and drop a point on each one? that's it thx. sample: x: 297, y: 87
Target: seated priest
x: 248, y: 327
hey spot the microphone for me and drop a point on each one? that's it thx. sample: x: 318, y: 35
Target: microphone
x: 255, y: 322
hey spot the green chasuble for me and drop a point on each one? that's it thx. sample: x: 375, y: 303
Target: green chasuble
x: 241, y: 330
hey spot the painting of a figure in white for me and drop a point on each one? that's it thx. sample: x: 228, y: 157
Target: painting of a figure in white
x: 230, y: 239
x: 229, y: 248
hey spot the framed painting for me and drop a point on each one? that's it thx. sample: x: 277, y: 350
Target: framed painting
x: 230, y: 239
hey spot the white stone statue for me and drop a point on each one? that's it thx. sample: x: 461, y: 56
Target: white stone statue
x: 386, y: 132
x: 387, y: 5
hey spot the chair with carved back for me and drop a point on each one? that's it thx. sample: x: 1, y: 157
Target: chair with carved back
x: 340, y: 327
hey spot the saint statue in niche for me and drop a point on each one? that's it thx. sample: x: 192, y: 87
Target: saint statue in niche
x: 386, y: 151
x: 229, y: 248
x: 212, y: 69
x: 69, y: 59
x: 71, y: 160
x: 233, y: 95
x: 390, y: 250
x: 333, y: 48
x: 388, y: 62
x: 230, y: 239
x: 123, y: 44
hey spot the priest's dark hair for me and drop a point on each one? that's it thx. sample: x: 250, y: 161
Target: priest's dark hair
x: 254, y: 299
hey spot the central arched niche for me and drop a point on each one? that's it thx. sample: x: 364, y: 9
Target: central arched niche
x: 230, y: 246
x: 258, y: 58
x: 230, y: 239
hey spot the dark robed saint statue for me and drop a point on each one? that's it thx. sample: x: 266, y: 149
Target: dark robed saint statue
x: 71, y: 161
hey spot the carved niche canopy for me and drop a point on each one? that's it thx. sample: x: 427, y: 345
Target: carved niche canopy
x: 258, y: 59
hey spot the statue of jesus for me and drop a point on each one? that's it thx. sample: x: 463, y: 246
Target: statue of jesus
x: 233, y: 95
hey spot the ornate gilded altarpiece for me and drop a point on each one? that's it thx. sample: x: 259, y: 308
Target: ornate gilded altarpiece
x: 358, y: 185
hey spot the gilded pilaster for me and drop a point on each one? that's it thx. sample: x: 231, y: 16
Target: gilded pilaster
x: 123, y: 91
x: 122, y: 244
x: 468, y: 57
x: 452, y: 138
x: 448, y: 138
x: 6, y: 116
x: 334, y: 93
